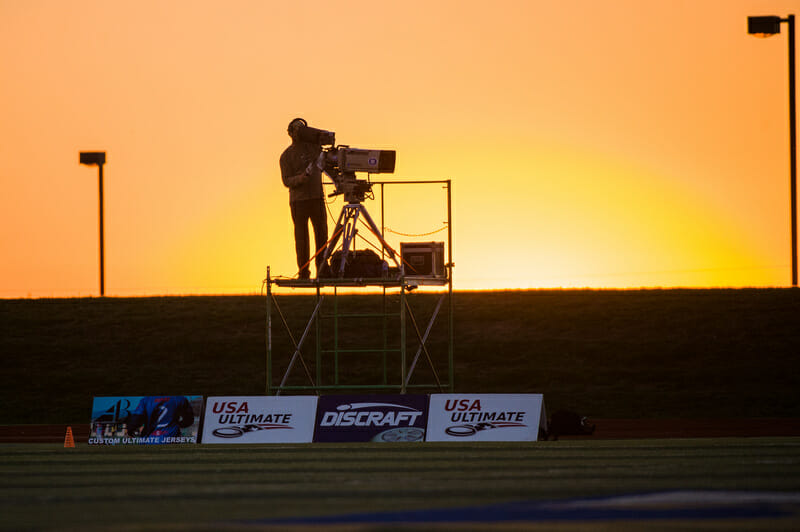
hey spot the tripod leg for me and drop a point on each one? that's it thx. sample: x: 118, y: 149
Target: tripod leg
x: 351, y: 230
x: 346, y: 230
x: 337, y: 232
x: 377, y: 233
x: 349, y: 234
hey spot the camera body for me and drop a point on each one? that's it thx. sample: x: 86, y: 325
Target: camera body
x: 342, y: 163
x: 349, y: 159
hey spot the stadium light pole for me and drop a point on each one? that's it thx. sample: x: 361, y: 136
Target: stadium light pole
x: 98, y: 158
x: 765, y: 27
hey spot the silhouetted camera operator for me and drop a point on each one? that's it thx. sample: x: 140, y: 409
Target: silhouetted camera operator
x: 301, y: 171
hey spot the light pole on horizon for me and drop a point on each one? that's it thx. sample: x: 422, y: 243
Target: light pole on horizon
x: 766, y: 26
x: 98, y: 158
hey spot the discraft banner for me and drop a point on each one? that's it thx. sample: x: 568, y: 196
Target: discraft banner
x: 485, y: 417
x: 259, y: 419
x: 381, y: 418
x: 145, y: 420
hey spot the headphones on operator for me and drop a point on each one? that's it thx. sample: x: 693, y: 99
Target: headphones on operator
x: 294, y: 124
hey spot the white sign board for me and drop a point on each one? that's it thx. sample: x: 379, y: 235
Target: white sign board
x: 259, y: 419
x: 485, y: 417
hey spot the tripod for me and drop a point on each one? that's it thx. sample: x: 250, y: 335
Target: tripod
x: 347, y: 230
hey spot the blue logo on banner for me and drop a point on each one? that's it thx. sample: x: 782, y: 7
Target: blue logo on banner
x: 358, y: 418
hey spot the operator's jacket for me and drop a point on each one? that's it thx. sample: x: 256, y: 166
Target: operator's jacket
x: 294, y: 161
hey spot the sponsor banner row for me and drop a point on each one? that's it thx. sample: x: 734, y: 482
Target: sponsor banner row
x: 305, y: 419
x: 374, y: 418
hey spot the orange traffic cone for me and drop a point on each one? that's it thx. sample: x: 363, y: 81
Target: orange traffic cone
x: 69, y: 441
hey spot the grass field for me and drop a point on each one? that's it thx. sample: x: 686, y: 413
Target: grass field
x: 608, y: 354
x: 248, y: 487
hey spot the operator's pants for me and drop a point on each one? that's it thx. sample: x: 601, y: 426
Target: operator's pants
x: 302, y: 212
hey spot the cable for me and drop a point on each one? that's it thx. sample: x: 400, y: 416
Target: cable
x: 412, y: 235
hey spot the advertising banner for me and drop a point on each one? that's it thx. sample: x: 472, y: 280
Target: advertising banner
x: 259, y: 419
x: 380, y: 418
x: 485, y: 417
x: 145, y: 420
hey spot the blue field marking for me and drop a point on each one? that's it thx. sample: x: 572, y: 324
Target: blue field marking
x: 645, y: 506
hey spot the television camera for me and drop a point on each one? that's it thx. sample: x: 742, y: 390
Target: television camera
x: 341, y: 163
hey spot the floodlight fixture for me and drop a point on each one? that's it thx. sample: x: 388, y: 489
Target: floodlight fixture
x: 98, y: 158
x: 93, y: 157
x: 764, y: 27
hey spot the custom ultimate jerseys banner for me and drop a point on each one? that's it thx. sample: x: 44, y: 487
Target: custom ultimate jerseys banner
x: 485, y: 417
x: 144, y: 420
x: 359, y: 418
x: 259, y: 419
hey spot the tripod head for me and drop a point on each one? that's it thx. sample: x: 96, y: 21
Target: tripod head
x: 354, y: 190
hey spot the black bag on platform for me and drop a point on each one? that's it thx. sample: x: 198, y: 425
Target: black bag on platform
x: 359, y: 263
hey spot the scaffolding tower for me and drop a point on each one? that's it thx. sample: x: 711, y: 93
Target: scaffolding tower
x: 363, y: 340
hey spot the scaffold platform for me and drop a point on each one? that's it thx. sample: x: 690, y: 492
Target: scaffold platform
x: 392, y: 336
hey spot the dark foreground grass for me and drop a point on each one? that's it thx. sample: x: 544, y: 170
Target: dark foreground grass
x: 605, y: 354
x: 230, y: 487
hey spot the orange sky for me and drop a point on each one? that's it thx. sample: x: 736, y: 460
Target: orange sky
x: 590, y: 144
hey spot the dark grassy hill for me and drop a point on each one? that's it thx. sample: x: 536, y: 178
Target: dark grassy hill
x: 641, y: 353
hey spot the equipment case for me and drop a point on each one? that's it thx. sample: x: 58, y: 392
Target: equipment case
x: 423, y: 259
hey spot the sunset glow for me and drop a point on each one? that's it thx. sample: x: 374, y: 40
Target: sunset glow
x: 589, y: 144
